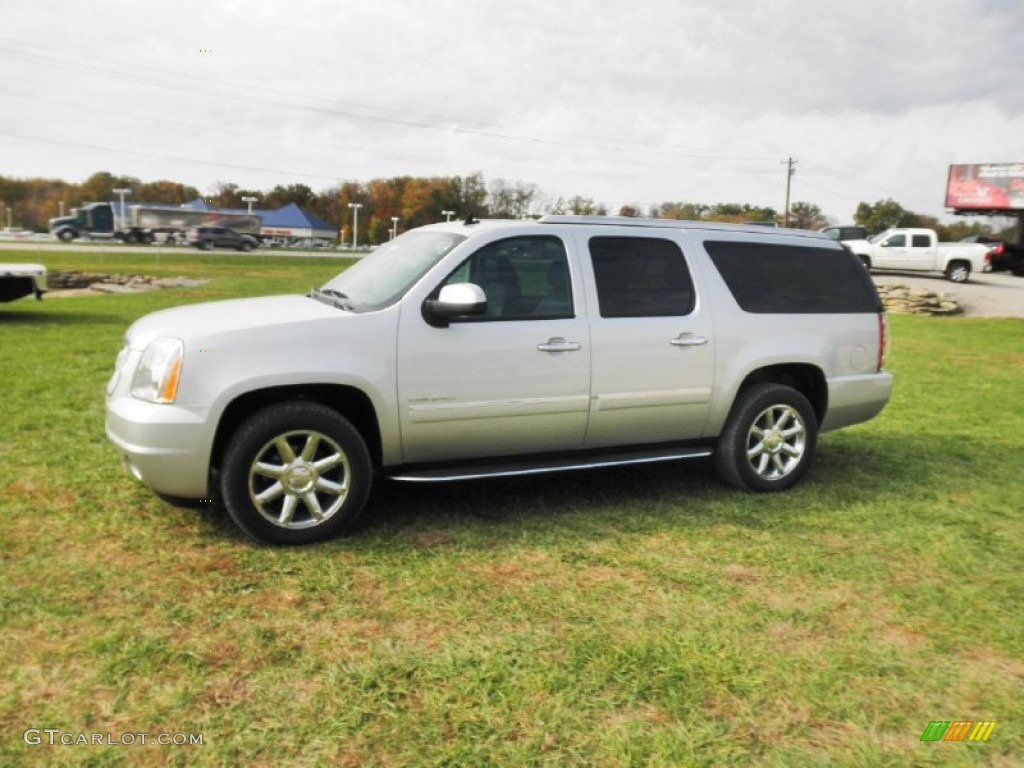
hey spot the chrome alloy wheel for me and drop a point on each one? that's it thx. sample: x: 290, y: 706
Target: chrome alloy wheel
x: 776, y: 442
x: 299, y: 479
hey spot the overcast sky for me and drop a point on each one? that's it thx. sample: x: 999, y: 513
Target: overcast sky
x: 627, y: 103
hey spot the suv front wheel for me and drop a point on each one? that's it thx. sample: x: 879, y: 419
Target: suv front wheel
x: 768, y: 440
x: 296, y: 472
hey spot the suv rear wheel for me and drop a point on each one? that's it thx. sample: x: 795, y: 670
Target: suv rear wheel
x: 768, y: 440
x: 296, y: 472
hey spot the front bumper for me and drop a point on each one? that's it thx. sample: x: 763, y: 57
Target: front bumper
x: 166, y: 447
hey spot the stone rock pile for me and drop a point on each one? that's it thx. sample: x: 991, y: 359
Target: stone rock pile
x: 66, y: 281
x: 902, y: 300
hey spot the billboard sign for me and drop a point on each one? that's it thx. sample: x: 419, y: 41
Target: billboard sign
x: 986, y: 187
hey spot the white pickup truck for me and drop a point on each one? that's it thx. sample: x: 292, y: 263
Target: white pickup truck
x: 919, y: 250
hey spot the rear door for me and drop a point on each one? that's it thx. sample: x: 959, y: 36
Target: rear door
x: 514, y: 381
x: 651, y: 335
x: 921, y: 251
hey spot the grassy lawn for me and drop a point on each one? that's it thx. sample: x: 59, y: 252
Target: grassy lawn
x: 639, y: 617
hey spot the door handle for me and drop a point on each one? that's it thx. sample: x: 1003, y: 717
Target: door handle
x: 688, y: 340
x: 559, y: 345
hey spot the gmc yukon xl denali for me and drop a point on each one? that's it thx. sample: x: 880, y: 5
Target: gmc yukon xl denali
x: 489, y: 348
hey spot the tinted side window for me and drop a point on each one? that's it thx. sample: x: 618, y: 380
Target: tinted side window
x: 640, y: 277
x: 920, y: 241
x: 770, y: 278
x: 896, y: 241
x: 524, y: 278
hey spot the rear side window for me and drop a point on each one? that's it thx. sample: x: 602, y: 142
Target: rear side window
x: 640, y: 277
x: 920, y: 241
x: 779, y: 279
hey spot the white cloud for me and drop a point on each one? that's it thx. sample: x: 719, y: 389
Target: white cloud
x: 644, y: 102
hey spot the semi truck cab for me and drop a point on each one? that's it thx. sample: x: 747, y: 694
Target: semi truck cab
x: 92, y: 219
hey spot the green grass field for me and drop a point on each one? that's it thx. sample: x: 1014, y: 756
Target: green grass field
x: 637, y: 617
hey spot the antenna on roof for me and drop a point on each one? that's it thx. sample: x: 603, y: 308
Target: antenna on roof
x: 470, y: 220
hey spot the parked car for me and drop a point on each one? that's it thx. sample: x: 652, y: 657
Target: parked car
x: 845, y: 232
x: 1006, y: 257
x: 208, y: 238
x: 481, y: 349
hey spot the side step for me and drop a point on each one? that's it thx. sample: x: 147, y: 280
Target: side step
x: 514, y: 468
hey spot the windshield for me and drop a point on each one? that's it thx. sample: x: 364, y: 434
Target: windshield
x: 382, y: 277
x: 879, y: 237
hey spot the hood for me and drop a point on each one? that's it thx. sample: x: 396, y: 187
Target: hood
x: 200, y: 321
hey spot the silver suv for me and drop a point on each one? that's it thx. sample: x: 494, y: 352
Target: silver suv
x: 489, y: 348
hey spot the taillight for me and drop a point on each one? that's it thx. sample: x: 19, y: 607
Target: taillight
x: 883, y: 340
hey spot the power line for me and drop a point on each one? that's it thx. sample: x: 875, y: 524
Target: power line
x: 422, y: 122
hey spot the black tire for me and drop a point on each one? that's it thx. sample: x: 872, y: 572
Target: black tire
x: 147, y: 238
x: 66, y: 235
x: 769, y: 439
x: 245, y: 247
x: 207, y: 245
x: 310, y: 458
x: 958, y: 271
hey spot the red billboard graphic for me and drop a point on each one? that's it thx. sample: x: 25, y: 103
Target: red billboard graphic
x: 986, y: 187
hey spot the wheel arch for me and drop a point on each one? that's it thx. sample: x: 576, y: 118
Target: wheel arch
x: 350, y: 402
x: 805, y: 378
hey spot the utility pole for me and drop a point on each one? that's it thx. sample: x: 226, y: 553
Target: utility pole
x: 355, y: 223
x: 790, y: 170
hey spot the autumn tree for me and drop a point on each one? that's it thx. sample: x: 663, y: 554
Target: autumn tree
x: 164, y: 192
x: 681, y: 211
x: 100, y: 187
x: 280, y: 196
x: 806, y: 216
x: 511, y: 200
x: 883, y: 215
x: 578, y: 206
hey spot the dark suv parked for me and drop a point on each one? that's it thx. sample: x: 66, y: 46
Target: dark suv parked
x: 845, y: 232
x: 1006, y: 257
x: 208, y: 238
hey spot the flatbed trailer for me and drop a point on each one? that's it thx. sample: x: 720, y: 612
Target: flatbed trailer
x: 19, y: 280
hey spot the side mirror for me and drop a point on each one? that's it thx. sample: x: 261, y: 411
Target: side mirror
x: 456, y: 300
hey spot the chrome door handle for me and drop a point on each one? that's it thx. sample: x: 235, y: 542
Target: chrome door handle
x: 688, y: 340
x: 559, y: 345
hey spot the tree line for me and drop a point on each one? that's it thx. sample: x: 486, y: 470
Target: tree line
x: 416, y: 201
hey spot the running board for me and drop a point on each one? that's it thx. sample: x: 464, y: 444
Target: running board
x: 517, y: 468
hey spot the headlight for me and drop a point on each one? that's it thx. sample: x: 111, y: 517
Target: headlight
x: 156, y: 377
